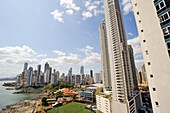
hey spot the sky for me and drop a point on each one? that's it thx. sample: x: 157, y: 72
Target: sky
x: 64, y: 33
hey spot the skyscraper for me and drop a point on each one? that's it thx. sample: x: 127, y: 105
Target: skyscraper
x: 39, y: 70
x: 91, y: 73
x: 82, y: 70
x: 46, y: 67
x: 123, y: 99
x: 105, y: 56
x: 144, y: 75
x: 30, y: 76
x: 70, y: 71
x: 152, y: 19
x: 133, y: 68
x: 25, y: 66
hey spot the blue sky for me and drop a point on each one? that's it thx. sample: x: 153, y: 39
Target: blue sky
x: 62, y: 32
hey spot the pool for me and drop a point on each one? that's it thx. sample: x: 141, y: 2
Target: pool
x: 95, y: 107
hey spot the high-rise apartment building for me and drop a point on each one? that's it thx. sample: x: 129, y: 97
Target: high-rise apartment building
x: 133, y: 67
x: 152, y: 19
x: 143, y: 74
x: 91, y: 73
x: 46, y: 67
x: 30, y: 76
x: 82, y: 70
x: 123, y: 98
x: 25, y: 66
x: 105, y: 56
x: 70, y: 71
x: 39, y: 70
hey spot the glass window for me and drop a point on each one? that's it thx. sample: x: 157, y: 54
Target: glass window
x: 157, y: 103
x: 139, y: 21
x: 167, y: 2
x: 162, y: 18
x: 154, y: 89
x: 142, y: 30
x: 136, y: 4
x: 168, y: 44
x: 149, y: 63
x: 166, y: 16
x: 146, y: 52
x: 169, y: 29
x: 157, y: 8
x: 138, y: 13
x: 144, y: 40
x: 161, y: 4
x: 151, y: 76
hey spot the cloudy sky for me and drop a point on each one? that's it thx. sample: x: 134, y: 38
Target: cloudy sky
x: 62, y: 32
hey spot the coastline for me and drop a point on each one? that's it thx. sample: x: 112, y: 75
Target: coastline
x: 25, y: 106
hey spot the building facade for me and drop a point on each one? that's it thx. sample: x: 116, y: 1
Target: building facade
x: 120, y: 68
x: 105, y: 57
x: 152, y: 19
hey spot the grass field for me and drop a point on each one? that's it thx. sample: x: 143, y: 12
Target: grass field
x: 72, y: 107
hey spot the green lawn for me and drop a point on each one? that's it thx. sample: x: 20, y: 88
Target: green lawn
x: 72, y: 107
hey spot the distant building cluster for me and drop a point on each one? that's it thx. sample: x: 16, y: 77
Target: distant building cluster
x: 30, y: 77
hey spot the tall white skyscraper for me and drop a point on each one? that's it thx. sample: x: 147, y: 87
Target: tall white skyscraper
x: 153, y: 23
x: 105, y: 56
x: 123, y: 98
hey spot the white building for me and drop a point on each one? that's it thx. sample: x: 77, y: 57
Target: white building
x: 97, y: 77
x: 103, y: 103
x: 152, y: 19
x: 120, y: 68
x: 105, y: 57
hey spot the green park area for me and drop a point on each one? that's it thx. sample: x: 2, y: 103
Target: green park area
x: 72, y: 107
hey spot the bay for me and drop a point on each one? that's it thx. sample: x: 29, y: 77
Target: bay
x: 7, y: 98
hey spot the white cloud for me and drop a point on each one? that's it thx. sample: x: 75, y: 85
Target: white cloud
x: 69, y: 4
x: 131, y: 34
x: 59, y: 53
x: 96, y: 12
x: 135, y: 42
x: 92, y: 58
x: 86, y: 15
x: 42, y: 55
x: 57, y: 15
x: 17, y: 51
x: 87, y: 3
x: 139, y: 63
x: 92, y: 7
x: 20, y: 61
x: 97, y: 2
x: 127, y: 6
x: 63, y: 60
x: 69, y: 12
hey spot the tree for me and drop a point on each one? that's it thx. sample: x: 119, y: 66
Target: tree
x: 44, y: 101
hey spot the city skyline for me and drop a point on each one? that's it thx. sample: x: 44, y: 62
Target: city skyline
x: 45, y: 39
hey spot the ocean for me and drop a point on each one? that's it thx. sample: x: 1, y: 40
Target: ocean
x: 7, y: 98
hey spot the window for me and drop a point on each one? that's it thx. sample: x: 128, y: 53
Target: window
x: 138, y: 13
x: 157, y: 8
x: 157, y: 103
x: 136, y: 4
x: 161, y: 4
x: 144, y: 41
x: 146, y: 52
x: 142, y: 30
x: 166, y: 16
x: 151, y: 75
x: 139, y: 21
x: 154, y: 89
x: 149, y: 63
x: 168, y: 44
x: 169, y: 29
x: 162, y: 18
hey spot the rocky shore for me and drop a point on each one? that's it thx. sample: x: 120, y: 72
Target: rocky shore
x: 25, y: 106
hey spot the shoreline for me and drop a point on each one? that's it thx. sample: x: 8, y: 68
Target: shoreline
x: 25, y: 106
